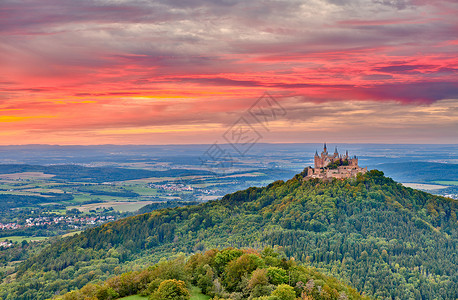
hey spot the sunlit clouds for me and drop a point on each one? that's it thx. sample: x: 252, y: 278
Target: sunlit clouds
x: 142, y: 72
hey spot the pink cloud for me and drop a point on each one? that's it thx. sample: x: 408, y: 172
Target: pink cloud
x: 204, y: 61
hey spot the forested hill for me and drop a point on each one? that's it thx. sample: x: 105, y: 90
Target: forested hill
x: 226, y: 274
x: 371, y: 232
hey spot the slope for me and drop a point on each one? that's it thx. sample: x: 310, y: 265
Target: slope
x: 383, y: 238
x: 226, y: 274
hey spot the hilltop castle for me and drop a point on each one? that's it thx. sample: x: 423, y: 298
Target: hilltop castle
x: 334, y: 166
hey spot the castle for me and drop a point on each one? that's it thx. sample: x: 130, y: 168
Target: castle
x: 329, y: 166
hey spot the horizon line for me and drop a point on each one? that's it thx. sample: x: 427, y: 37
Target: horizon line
x: 228, y: 144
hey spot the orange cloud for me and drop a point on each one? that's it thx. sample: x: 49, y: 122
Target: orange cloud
x: 71, y: 74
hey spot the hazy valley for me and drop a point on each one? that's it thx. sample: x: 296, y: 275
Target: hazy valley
x: 358, y: 230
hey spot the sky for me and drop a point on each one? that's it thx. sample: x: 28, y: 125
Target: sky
x: 190, y: 72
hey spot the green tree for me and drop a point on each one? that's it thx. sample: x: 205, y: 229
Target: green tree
x: 171, y: 289
x: 242, y: 266
x: 284, y: 292
x: 258, y: 285
x: 277, y: 275
x: 225, y: 256
x: 107, y: 293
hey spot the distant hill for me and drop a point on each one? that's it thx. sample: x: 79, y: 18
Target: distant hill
x: 420, y: 171
x: 77, y: 173
x: 386, y: 240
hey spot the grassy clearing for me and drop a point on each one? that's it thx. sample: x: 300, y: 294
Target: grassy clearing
x: 134, y: 297
x: 78, y: 198
x: 22, y: 193
x: 196, y: 294
x: 44, y: 190
x: 81, y: 197
x: 121, y: 206
x: 61, y: 212
x: 19, y: 239
x: 143, y: 191
x: 71, y: 233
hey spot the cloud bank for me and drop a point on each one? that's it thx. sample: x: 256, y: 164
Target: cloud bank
x: 159, y: 71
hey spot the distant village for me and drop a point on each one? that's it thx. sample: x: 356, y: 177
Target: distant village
x: 179, y: 187
x: 75, y: 221
x: 172, y: 187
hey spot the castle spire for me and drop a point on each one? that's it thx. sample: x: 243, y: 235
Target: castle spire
x: 316, y: 153
x: 325, y: 149
x: 335, y: 151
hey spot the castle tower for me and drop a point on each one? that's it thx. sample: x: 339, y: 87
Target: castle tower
x: 318, y: 161
x: 324, y: 154
x: 354, y: 161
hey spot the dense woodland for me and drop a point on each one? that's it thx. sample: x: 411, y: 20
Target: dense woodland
x: 166, y: 204
x: 12, y: 201
x: 77, y: 173
x: 371, y: 232
x: 227, y: 274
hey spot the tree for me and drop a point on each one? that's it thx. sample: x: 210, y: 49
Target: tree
x: 284, y: 292
x: 171, y: 289
x: 258, y: 285
x: 107, y: 293
x: 277, y: 275
x: 242, y: 266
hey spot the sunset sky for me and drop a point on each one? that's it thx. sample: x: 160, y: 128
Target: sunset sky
x: 184, y: 71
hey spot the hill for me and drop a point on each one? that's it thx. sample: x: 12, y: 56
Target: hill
x: 385, y: 239
x: 230, y: 273
x: 77, y: 173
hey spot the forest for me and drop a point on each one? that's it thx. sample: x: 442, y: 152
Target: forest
x: 227, y: 274
x: 382, y: 238
x: 12, y: 201
x: 77, y: 173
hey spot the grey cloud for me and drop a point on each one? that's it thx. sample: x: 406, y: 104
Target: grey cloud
x: 376, y: 77
x: 400, y: 68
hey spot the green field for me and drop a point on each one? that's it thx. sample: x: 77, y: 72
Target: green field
x: 447, y: 182
x: 54, y: 211
x: 71, y: 233
x: 121, y: 206
x: 142, y: 190
x: 134, y: 297
x: 22, y: 238
x: 196, y: 294
x: 130, y: 207
x: 25, y: 193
